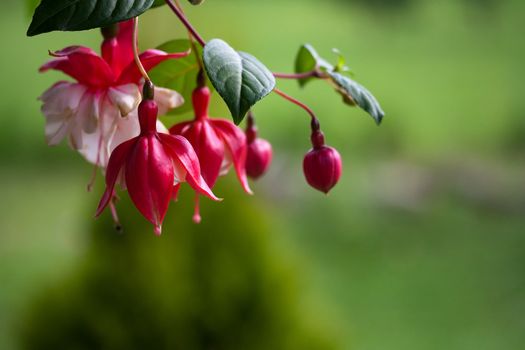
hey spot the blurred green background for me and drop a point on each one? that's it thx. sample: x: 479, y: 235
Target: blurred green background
x: 421, y: 245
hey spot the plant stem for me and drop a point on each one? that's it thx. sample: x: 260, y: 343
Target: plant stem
x: 136, y: 50
x: 310, y: 74
x: 191, y: 39
x: 296, y: 102
x: 185, y: 21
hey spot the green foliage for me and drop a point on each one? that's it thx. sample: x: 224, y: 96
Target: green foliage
x: 196, y: 287
x: 157, y: 3
x: 238, y: 77
x: 74, y: 15
x: 307, y: 60
x: 180, y: 74
x: 354, y: 94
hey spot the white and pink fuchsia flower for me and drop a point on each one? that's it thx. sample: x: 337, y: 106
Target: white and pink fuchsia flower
x: 99, y: 111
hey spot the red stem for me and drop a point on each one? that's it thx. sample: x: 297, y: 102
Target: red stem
x: 310, y: 74
x: 296, y: 102
x: 185, y: 21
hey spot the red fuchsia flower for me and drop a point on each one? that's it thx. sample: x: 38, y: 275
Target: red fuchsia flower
x: 259, y: 155
x: 218, y: 143
x: 98, y: 111
x: 322, y: 164
x: 151, y: 164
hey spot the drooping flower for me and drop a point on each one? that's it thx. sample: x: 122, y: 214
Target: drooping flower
x: 219, y: 143
x: 152, y: 166
x: 259, y: 156
x: 322, y: 165
x: 98, y: 111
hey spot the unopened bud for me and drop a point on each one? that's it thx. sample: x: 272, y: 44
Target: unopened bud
x: 322, y: 168
x: 259, y: 158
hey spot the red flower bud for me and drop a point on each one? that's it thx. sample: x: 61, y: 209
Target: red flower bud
x: 259, y: 156
x: 322, y: 165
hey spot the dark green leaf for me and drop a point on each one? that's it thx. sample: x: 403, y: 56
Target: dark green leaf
x: 307, y: 60
x: 74, y: 15
x: 158, y: 3
x: 356, y: 94
x: 196, y: 2
x: 238, y: 77
x: 180, y: 74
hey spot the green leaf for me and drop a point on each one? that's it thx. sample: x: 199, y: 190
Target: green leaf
x: 74, y: 15
x: 158, y: 3
x: 355, y: 94
x: 307, y: 60
x: 180, y: 74
x: 238, y: 77
x: 196, y: 2
x: 341, y: 66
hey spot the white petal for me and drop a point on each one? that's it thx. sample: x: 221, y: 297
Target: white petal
x: 226, y: 162
x: 125, y: 97
x: 96, y: 146
x: 167, y: 99
x: 62, y: 97
x: 75, y: 137
x: 126, y: 129
x: 161, y: 128
x: 90, y: 148
x: 88, y: 111
x: 179, y: 172
x: 59, y: 106
x: 56, y: 130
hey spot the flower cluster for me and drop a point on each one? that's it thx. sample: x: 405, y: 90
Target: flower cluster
x: 113, y: 125
x: 99, y: 111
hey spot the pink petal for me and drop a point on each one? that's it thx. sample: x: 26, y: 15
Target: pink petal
x: 209, y: 148
x: 181, y: 128
x: 118, y: 52
x: 115, y: 164
x: 125, y: 40
x: 82, y: 64
x: 182, y: 153
x: 149, y: 178
x: 235, y: 141
x: 150, y: 59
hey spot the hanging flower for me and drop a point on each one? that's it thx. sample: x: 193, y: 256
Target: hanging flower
x: 219, y: 143
x: 152, y: 166
x: 322, y: 165
x: 98, y: 111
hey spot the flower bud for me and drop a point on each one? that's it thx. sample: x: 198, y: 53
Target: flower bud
x: 322, y: 165
x: 259, y: 155
x: 259, y: 158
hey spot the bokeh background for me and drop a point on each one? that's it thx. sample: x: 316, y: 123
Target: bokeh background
x: 421, y: 245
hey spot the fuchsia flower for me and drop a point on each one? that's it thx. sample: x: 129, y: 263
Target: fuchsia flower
x: 322, y: 164
x: 98, y: 111
x: 153, y: 165
x: 218, y: 143
x: 259, y: 155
